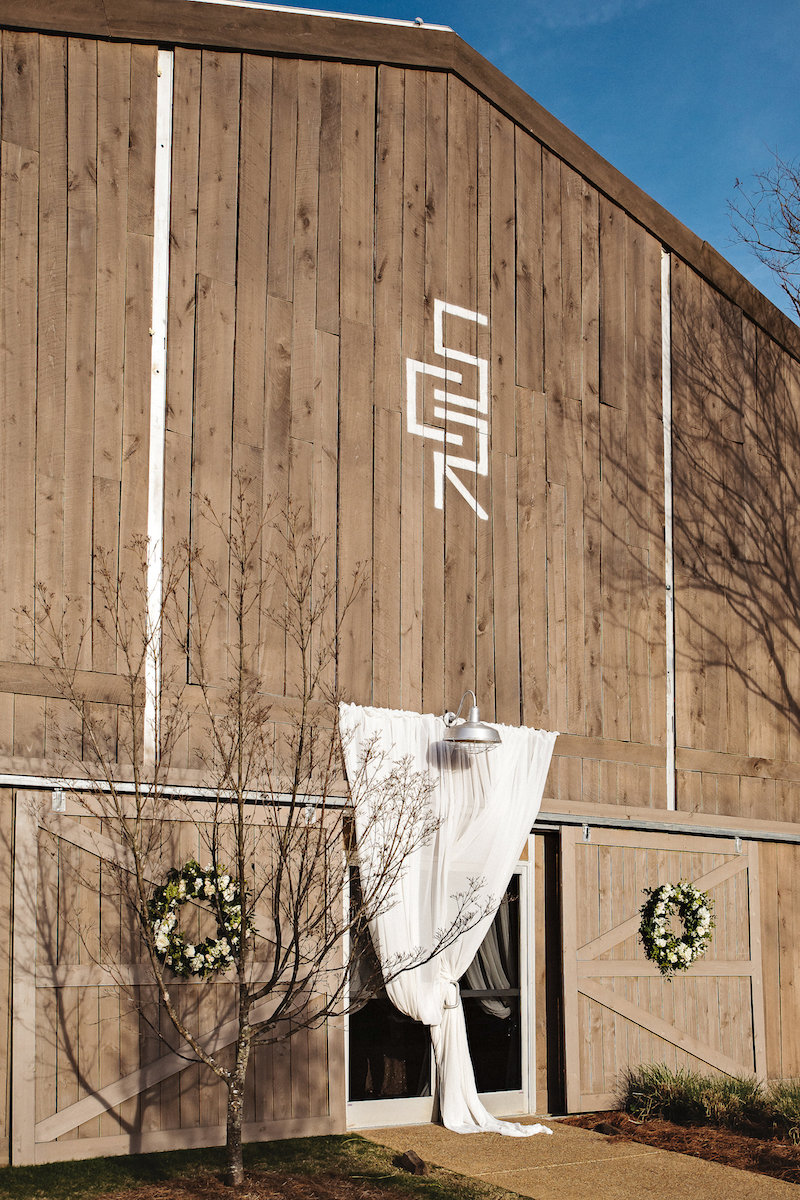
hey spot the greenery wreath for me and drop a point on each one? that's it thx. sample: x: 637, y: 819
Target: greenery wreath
x: 662, y: 946
x: 192, y: 882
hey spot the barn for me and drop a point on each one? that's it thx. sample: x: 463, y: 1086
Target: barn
x: 235, y: 236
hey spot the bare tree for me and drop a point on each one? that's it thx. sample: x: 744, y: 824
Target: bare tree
x: 276, y: 821
x: 766, y: 217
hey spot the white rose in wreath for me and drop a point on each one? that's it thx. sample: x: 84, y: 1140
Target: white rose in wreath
x: 671, y: 951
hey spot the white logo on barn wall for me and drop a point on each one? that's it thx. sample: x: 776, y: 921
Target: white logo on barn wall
x: 451, y: 408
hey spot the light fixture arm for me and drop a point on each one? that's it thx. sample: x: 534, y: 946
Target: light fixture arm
x: 450, y: 718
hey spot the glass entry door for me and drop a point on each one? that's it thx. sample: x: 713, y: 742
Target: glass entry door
x: 390, y: 1061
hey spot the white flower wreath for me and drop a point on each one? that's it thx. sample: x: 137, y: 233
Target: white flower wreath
x: 662, y: 946
x: 212, y: 955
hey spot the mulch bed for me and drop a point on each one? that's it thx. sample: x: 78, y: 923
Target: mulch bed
x: 259, y: 1185
x: 765, y: 1154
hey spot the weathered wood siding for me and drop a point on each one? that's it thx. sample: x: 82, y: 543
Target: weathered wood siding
x: 736, y: 453
x: 618, y: 1010
x: 77, y: 127
x: 108, y: 1077
x: 319, y: 212
x: 305, y: 268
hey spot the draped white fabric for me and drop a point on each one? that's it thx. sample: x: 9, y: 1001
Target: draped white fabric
x: 485, y: 806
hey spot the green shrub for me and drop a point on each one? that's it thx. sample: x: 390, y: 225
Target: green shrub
x: 689, y: 1097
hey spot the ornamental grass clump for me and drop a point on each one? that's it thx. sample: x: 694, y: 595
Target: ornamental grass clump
x: 784, y: 1100
x: 688, y: 1097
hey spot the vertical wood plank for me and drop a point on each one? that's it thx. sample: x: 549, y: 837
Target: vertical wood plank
x: 529, y: 290
x: 571, y: 281
x: 569, y: 918
x: 506, y: 585
x: 551, y: 272
x: 330, y: 184
x: 388, y: 375
x: 414, y: 452
x: 532, y: 525
x: 485, y: 666
x: 51, y: 356
x: 282, y: 178
x: 436, y: 232
x: 577, y: 616
x: 19, y: 196
x: 462, y: 336
x: 356, y: 367
x: 249, y: 368
x: 304, y: 269
x: 24, y: 981
x: 80, y: 327
x: 387, y: 561
x: 770, y: 958
x: 19, y: 105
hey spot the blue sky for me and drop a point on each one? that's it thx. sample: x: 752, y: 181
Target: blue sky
x: 682, y: 96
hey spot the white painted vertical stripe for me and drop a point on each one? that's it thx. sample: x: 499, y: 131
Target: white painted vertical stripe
x: 158, y: 400
x: 669, y: 566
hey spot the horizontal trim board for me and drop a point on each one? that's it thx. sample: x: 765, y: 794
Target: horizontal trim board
x: 712, y: 763
x: 306, y: 34
x: 599, y: 1102
x: 661, y: 840
x: 26, y: 679
x: 548, y: 821
x: 182, y: 1139
x: 605, y: 968
x: 750, y: 833
x: 605, y: 750
x: 324, y: 12
x: 124, y: 975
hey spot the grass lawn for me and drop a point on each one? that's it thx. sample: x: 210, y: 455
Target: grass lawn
x: 321, y: 1168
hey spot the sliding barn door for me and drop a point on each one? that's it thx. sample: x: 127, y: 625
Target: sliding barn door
x: 96, y: 1067
x: 618, y: 1010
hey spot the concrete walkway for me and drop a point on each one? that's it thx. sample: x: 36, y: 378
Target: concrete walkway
x: 576, y: 1164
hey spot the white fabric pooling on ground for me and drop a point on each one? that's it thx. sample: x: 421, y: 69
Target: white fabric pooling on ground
x: 485, y: 806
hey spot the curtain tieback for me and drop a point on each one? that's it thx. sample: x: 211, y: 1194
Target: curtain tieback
x: 453, y: 983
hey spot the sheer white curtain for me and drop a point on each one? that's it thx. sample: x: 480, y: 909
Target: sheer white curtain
x: 485, y: 806
x: 488, y: 967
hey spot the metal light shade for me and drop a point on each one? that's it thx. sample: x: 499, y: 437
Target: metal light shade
x: 471, y: 735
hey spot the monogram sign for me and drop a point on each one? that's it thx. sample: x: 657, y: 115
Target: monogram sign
x: 458, y: 413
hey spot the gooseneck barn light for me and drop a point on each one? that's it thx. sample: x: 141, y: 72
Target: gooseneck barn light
x: 470, y: 735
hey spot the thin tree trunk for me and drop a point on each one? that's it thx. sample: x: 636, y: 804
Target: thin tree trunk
x: 233, y: 1144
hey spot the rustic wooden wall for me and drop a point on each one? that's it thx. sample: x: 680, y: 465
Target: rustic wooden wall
x: 77, y: 125
x: 780, y: 929
x: 553, y: 607
x: 319, y: 209
x: 94, y: 1025
x: 736, y: 459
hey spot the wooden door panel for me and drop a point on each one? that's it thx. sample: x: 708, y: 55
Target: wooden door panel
x: 619, y: 1011
x: 91, y: 1075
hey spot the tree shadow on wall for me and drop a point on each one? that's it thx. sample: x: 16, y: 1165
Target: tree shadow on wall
x: 736, y: 529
